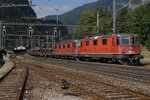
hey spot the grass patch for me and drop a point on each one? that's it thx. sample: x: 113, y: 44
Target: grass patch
x: 145, y: 52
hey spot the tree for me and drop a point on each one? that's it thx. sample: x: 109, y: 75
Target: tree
x: 124, y: 21
x: 142, y: 24
x: 89, y: 17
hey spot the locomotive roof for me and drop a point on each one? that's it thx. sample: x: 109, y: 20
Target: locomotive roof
x: 109, y: 35
x: 97, y: 37
x: 67, y: 41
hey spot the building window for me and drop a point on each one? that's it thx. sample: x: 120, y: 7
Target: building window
x: 104, y: 41
x: 68, y: 45
x: 64, y: 46
x: 87, y: 43
x: 95, y: 42
x: 59, y: 46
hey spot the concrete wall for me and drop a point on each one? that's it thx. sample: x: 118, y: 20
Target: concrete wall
x: 1, y: 61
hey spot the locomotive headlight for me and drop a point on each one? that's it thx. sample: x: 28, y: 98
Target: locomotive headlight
x: 130, y: 48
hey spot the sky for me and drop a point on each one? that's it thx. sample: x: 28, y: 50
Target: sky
x: 46, y: 7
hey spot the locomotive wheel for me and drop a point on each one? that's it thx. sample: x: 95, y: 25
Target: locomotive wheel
x: 137, y: 62
x: 121, y: 61
x: 83, y: 59
x: 104, y: 60
x: 90, y: 59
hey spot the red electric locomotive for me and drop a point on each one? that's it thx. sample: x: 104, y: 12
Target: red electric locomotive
x: 122, y: 48
x: 67, y: 49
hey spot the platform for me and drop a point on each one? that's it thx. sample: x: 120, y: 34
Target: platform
x: 6, y: 67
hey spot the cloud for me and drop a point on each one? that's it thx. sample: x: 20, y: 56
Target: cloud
x: 49, y: 10
x: 65, y: 8
x: 62, y: 9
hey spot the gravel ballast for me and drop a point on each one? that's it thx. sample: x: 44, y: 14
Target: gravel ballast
x: 132, y: 85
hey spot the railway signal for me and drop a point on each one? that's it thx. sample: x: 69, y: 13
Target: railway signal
x: 4, y: 31
x: 55, y: 32
x: 30, y: 31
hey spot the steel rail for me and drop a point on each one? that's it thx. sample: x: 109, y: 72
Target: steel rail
x: 24, y: 79
x: 14, y: 90
x: 1, y: 79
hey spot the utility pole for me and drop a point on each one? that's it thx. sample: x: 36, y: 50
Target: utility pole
x: 0, y: 37
x: 30, y: 33
x: 17, y: 43
x: 54, y: 35
x: 31, y: 42
x: 114, y: 16
x: 21, y: 40
x: 27, y: 43
x: 2, y: 42
x: 59, y: 34
x: 52, y: 40
x: 47, y: 40
x: 56, y: 15
x: 38, y: 42
x: 97, y: 22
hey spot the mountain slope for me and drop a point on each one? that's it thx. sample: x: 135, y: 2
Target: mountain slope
x: 15, y: 13
x: 73, y: 16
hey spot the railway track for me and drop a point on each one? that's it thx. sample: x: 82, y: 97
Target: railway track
x: 96, y: 90
x: 34, y: 82
x: 128, y: 72
x: 12, y: 83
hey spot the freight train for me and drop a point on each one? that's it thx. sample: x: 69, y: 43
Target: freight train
x: 19, y: 50
x: 121, y: 48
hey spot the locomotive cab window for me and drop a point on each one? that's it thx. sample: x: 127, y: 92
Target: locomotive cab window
x: 64, y: 46
x: 87, y: 43
x: 104, y: 41
x: 59, y: 46
x: 135, y: 40
x: 118, y: 40
x: 125, y: 40
x: 56, y: 47
x: 95, y: 42
x: 68, y: 45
